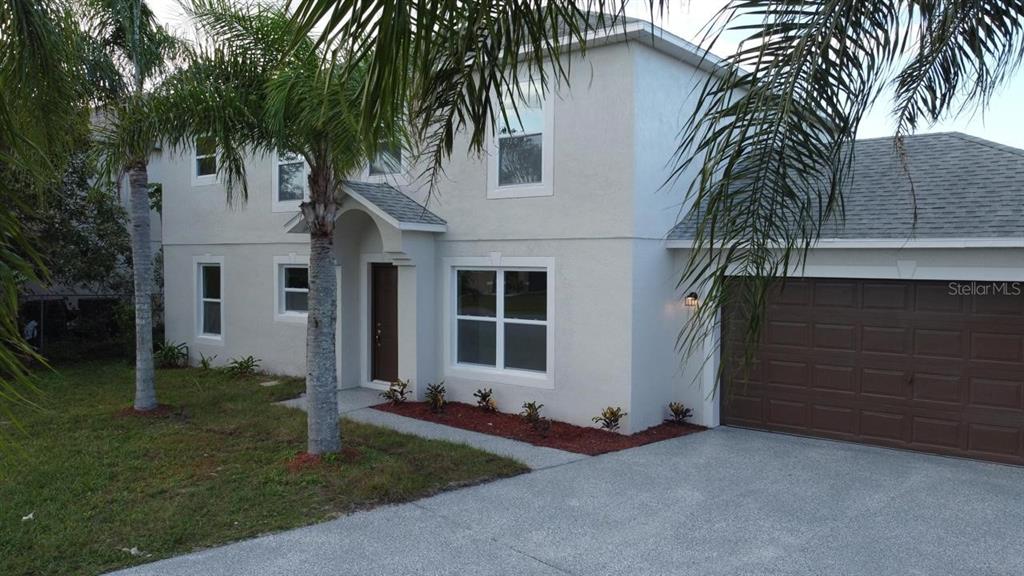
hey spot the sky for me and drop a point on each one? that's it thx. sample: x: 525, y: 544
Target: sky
x: 1002, y: 121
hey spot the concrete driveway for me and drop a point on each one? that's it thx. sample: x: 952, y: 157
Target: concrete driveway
x: 728, y: 501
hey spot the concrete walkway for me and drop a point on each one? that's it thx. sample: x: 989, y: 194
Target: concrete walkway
x: 354, y: 405
x: 724, y: 502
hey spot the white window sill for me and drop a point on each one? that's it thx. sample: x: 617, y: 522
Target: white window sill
x: 520, y: 191
x: 210, y: 339
x: 292, y: 317
x: 208, y: 180
x: 290, y: 207
x: 499, y: 376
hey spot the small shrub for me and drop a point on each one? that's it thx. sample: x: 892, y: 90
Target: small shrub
x: 485, y: 400
x: 610, y: 418
x: 679, y: 412
x: 397, y: 392
x: 206, y: 362
x: 531, y: 412
x: 244, y: 366
x: 435, y: 397
x: 170, y: 355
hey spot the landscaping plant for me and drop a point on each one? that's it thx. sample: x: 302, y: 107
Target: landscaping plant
x: 171, y: 355
x: 485, y: 400
x: 206, y: 362
x: 435, y: 397
x: 397, y: 392
x: 531, y: 414
x: 679, y: 412
x: 244, y: 366
x: 610, y: 418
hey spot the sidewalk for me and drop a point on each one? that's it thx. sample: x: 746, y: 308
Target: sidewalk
x: 355, y: 403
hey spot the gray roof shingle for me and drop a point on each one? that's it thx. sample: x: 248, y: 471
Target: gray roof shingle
x: 393, y: 202
x: 964, y: 187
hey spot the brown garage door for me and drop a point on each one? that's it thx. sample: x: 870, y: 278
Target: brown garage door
x: 896, y: 363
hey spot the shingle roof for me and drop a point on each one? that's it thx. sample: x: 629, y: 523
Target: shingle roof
x: 964, y: 187
x: 393, y: 202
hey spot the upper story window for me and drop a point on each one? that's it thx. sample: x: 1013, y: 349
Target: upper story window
x: 204, y: 169
x: 522, y: 147
x: 291, y: 182
x: 387, y: 161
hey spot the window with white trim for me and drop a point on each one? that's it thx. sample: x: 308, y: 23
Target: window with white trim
x: 293, y: 289
x: 290, y: 179
x: 521, y: 138
x: 205, y: 165
x: 211, y: 312
x: 387, y: 161
x: 501, y: 318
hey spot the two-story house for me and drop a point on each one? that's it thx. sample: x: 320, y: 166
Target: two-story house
x: 547, y: 270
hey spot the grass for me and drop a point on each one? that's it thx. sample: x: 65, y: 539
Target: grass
x: 99, y: 483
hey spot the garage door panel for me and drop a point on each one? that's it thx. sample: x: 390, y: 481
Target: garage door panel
x: 896, y: 363
x: 996, y: 393
x: 885, y: 340
x: 884, y: 383
x: 937, y: 432
x: 883, y: 425
x: 990, y: 439
x: 885, y: 296
x: 937, y: 389
x: 998, y: 304
x: 997, y: 347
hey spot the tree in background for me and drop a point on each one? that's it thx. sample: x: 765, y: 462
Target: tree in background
x: 79, y: 229
x: 125, y: 34
x: 257, y: 85
x: 767, y: 151
x: 42, y: 92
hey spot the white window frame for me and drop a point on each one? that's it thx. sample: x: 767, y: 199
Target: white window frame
x: 198, y: 263
x: 542, y: 188
x: 287, y: 205
x: 280, y: 263
x: 205, y: 179
x: 498, y: 374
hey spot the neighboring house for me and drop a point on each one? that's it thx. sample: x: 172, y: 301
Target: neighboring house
x: 542, y: 269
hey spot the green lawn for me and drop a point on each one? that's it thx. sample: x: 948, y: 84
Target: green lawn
x: 99, y: 483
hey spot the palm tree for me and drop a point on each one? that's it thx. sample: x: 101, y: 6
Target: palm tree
x: 41, y: 117
x: 127, y: 35
x: 254, y: 89
x: 767, y: 150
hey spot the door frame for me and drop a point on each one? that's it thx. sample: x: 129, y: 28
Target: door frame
x: 365, y: 312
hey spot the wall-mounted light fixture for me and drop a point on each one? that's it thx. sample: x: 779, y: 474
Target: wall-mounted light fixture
x: 691, y: 300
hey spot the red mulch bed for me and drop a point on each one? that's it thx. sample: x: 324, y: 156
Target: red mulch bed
x: 306, y: 461
x: 561, y: 435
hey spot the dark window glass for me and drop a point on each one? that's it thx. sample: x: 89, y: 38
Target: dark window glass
x: 296, y: 301
x: 477, y: 293
x: 296, y: 277
x: 520, y: 160
x: 211, y: 317
x: 206, y: 166
x: 387, y: 161
x: 526, y: 295
x: 477, y: 342
x: 206, y: 146
x: 526, y: 347
x: 291, y: 181
x: 211, y: 282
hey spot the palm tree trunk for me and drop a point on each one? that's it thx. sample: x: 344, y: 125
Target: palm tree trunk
x: 142, y: 272
x: 321, y: 360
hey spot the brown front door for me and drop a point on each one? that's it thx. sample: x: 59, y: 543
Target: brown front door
x: 906, y: 364
x: 384, y: 322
